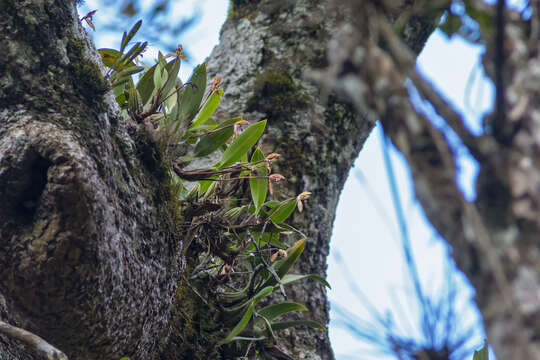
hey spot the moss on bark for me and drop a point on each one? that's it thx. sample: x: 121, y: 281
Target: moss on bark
x: 277, y: 95
x: 88, y: 80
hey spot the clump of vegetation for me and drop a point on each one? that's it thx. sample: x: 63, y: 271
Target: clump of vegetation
x: 225, y: 230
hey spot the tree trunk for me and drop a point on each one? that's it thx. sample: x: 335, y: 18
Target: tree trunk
x: 494, y: 238
x: 266, y: 55
x: 89, y: 254
x: 89, y: 239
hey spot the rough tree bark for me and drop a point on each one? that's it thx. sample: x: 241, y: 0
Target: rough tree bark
x: 494, y: 238
x: 89, y: 248
x: 266, y: 53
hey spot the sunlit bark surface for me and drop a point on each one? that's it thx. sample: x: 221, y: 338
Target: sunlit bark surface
x: 89, y: 245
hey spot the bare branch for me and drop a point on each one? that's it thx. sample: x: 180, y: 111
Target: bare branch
x: 38, y: 344
x: 406, y: 61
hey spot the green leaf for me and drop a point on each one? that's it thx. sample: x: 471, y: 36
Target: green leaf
x: 240, y: 326
x: 283, y: 266
x: 254, y: 300
x: 283, y: 211
x: 269, y: 237
x: 125, y: 60
x: 160, y: 76
x: 211, y: 142
x: 272, y: 204
x: 208, y: 109
x: 108, y: 56
x: 135, y: 51
x: 289, y: 278
x: 482, y: 354
x: 281, y: 325
x: 259, y: 186
x: 193, y: 94
x: 240, y: 146
x: 127, y: 37
x: 261, y: 294
x: 134, y: 100
x: 204, y: 185
x: 145, y: 86
x: 173, y: 68
x: 272, y: 311
x: 125, y: 74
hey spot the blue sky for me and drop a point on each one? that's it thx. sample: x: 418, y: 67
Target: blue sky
x: 365, y: 231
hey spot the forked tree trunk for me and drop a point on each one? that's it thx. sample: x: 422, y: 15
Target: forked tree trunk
x: 89, y: 248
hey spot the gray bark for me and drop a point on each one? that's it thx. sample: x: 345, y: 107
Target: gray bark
x: 495, y: 237
x: 88, y: 252
x: 263, y: 45
x: 89, y: 247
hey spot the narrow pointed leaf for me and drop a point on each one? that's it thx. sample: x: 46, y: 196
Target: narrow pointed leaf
x: 127, y: 38
x: 259, y: 183
x: 125, y: 73
x: 271, y: 312
x: 142, y: 47
x: 245, y: 338
x: 145, y: 86
x: 240, y: 146
x: 225, y: 123
x: 261, y: 294
x: 127, y: 59
x: 281, y: 325
x: 108, y: 56
x: 283, y: 266
x: 172, y: 68
x: 289, y: 278
x: 208, y: 109
x: 240, y: 326
x: 213, y: 141
x: 160, y: 76
x: 283, y: 211
x: 193, y: 94
x: 123, y: 42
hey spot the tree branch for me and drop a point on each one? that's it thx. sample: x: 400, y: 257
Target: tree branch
x: 38, y: 344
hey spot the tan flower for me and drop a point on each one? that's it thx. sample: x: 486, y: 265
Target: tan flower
x: 179, y: 53
x: 269, y: 159
x: 215, y: 84
x: 280, y: 253
x: 302, y: 196
x: 274, y: 178
x: 272, y: 156
x: 226, y: 269
x: 238, y: 127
